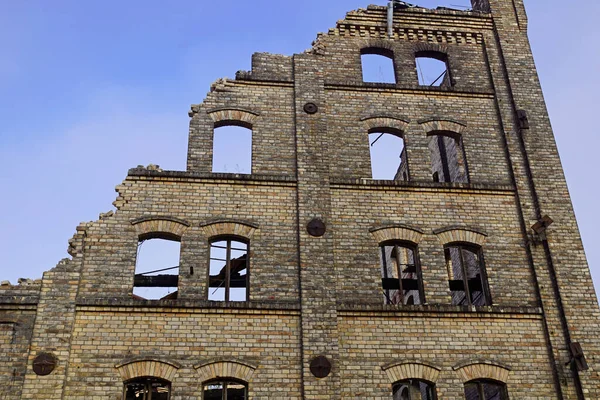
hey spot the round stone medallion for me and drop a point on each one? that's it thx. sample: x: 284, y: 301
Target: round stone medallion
x: 310, y: 108
x: 316, y: 227
x: 320, y: 366
x: 44, y: 364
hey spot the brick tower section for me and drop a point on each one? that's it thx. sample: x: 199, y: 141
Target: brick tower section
x: 318, y: 299
x: 563, y: 278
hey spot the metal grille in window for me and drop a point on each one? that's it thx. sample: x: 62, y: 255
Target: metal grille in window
x: 225, y: 390
x: 147, y: 388
x: 467, y: 278
x: 401, y: 274
x: 413, y: 389
x: 228, y: 279
x: 485, y: 390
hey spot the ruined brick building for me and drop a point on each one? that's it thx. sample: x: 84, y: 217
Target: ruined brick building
x: 462, y: 276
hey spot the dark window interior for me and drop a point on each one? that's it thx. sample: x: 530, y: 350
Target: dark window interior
x: 485, y: 390
x: 400, y: 274
x: 467, y: 280
x: 147, y: 388
x: 413, y: 389
x: 447, y: 158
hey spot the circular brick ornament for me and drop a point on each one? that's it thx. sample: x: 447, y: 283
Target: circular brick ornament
x: 44, y: 364
x: 320, y: 366
x: 311, y: 108
x: 316, y: 227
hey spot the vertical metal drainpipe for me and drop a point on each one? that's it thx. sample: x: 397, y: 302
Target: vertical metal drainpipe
x: 390, y: 19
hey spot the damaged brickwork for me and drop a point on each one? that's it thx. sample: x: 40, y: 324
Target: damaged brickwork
x: 487, y: 303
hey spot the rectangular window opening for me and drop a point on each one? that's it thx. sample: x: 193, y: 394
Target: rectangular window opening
x: 232, y: 150
x: 400, y: 275
x: 157, y: 269
x: 228, y: 270
x: 432, y: 71
x: 377, y: 68
x: 447, y: 159
x: 388, y: 157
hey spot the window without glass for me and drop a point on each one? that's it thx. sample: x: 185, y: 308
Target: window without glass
x: 228, y: 280
x: 378, y: 65
x: 447, y: 158
x: 485, y: 390
x: 413, y: 389
x: 467, y: 278
x: 147, y: 388
x: 388, y: 155
x: 157, y: 268
x: 432, y: 68
x: 225, y: 390
x: 400, y: 274
x: 232, y: 148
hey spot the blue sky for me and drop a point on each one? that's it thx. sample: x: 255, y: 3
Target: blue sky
x: 90, y: 89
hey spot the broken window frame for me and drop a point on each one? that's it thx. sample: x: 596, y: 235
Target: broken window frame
x: 224, y: 382
x: 413, y: 392
x: 480, y: 386
x: 229, y: 239
x: 163, y: 280
x: 446, y: 77
x: 238, y: 123
x: 399, y: 244
x: 403, y: 154
x: 147, y: 382
x: 443, y: 152
x: 382, y: 52
x: 466, y: 284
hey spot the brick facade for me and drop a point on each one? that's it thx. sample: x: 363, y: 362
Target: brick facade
x: 321, y: 295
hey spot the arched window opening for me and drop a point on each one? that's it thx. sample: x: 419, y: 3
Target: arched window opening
x: 147, y: 388
x: 378, y: 65
x: 401, y: 277
x: 232, y: 148
x: 157, y: 268
x: 432, y: 68
x: 467, y: 277
x: 229, y: 270
x: 413, y: 389
x: 485, y: 390
x: 225, y: 390
x: 388, y: 155
x: 447, y: 158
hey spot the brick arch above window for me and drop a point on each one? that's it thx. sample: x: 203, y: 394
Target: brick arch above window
x: 482, y: 369
x: 158, y: 226
x: 411, y: 369
x: 425, y: 47
x: 233, y: 116
x: 384, y: 121
x: 243, y: 229
x: 460, y: 234
x: 225, y: 368
x: 442, y: 125
x: 399, y: 232
x: 154, y: 367
x: 370, y: 46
